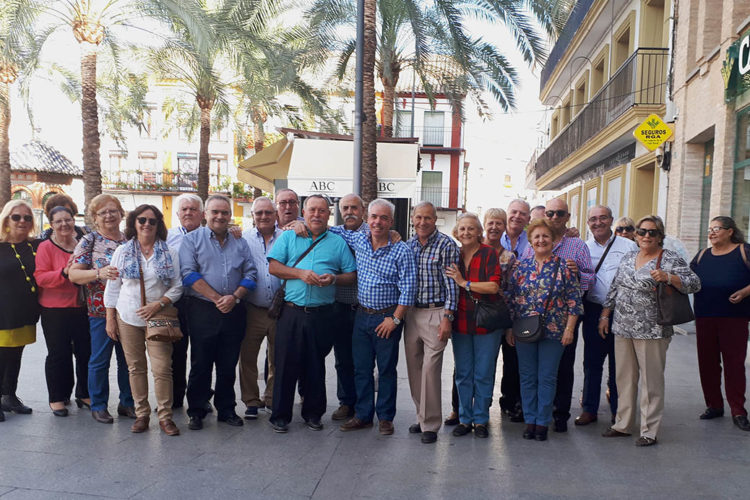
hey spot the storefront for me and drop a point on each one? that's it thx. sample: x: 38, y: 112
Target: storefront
x: 736, y: 73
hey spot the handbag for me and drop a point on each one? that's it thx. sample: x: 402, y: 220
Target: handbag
x: 672, y: 306
x: 279, y: 297
x: 164, y: 326
x: 492, y: 315
x: 531, y: 328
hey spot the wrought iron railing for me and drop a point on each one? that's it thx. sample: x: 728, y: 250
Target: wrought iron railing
x: 428, y: 136
x: 136, y: 180
x: 440, y: 197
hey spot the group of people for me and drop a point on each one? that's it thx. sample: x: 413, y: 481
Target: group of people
x: 356, y: 289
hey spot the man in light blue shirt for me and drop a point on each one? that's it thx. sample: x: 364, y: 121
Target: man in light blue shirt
x: 514, y: 238
x: 260, y: 326
x: 217, y: 273
x: 303, y: 332
x: 607, y: 250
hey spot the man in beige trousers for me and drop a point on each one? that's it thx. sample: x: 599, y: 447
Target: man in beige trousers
x: 429, y: 322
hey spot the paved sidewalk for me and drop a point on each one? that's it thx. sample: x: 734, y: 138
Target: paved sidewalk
x: 42, y: 456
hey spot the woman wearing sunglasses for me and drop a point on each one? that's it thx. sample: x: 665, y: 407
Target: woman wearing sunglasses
x: 145, y: 256
x: 19, y: 310
x: 722, y: 311
x: 640, y: 343
x: 625, y: 227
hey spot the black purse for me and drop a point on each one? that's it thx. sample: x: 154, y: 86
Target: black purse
x: 531, y: 328
x: 672, y: 306
x: 492, y: 315
x: 279, y: 298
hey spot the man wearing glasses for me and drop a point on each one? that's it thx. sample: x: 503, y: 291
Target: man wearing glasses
x: 287, y: 203
x: 576, y: 255
x: 607, y: 250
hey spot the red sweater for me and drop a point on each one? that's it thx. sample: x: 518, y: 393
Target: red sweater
x: 55, y: 290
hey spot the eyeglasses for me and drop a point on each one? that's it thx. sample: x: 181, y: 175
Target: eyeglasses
x: 714, y: 230
x: 623, y: 229
x: 104, y: 213
x: 601, y: 218
x: 651, y: 232
x: 289, y: 203
x: 142, y: 221
x: 62, y: 221
x: 18, y: 217
x: 551, y: 213
x: 261, y: 213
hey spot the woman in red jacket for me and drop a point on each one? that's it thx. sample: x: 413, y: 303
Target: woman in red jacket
x: 64, y: 320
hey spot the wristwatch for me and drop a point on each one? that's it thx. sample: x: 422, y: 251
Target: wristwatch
x: 449, y: 316
x: 396, y: 321
x: 236, y: 299
x: 468, y: 286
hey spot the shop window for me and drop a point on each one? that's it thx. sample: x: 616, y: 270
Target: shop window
x: 614, y: 195
x: 708, y: 164
x: 741, y: 188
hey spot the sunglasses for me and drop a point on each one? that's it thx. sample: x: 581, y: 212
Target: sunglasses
x: 551, y: 213
x: 142, y: 221
x: 623, y: 229
x: 18, y: 217
x: 651, y: 232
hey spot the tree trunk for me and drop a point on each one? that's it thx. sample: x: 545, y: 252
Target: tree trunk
x: 259, y: 139
x: 389, y: 102
x: 4, y: 144
x: 205, y: 106
x: 369, y: 122
x: 92, y: 174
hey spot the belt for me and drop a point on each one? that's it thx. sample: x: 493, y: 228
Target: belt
x: 367, y: 310
x: 308, y: 309
x: 429, y: 305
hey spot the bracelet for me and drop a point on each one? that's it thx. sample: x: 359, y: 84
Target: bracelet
x: 97, y: 273
x: 603, y: 317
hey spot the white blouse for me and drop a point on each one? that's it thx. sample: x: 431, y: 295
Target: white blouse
x: 125, y: 294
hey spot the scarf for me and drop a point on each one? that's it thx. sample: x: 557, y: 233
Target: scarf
x: 131, y: 252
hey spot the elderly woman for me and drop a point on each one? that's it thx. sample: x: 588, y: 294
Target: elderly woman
x: 474, y: 348
x: 64, y: 321
x: 19, y: 310
x: 722, y: 311
x: 640, y: 343
x: 543, y: 286
x: 91, y: 267
x: 61, y: 200
x: 145, y: 263
x: 625, y: 227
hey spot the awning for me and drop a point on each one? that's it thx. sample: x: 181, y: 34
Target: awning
x: 261, y: 169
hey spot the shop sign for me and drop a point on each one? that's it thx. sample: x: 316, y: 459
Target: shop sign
x: 653, y: 132
x: 735, y: 69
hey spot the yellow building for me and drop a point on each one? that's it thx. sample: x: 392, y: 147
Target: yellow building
x: 604, y: 76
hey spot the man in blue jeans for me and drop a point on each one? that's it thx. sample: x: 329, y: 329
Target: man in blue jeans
x: 386, y: 284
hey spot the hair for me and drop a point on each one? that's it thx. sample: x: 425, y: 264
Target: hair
x: 475, y: 218
x: 519, y: 200
x: 537, y: 224
x: 287, y: 190
x: 605, y: 207
x: 657, y: 222
x: 380, y: 202
x: 219, y: 197
x: 59, y: 200
x: 423, y: 204
x: 538, y: 207
x: 728, y: 223
x: 192, y: 198
x: 316, y: 197
x: 101, y: 200
x: 263, y: 198
x: 495, y: 213
x: 624, y: 221
x: 161, y: 228
x: 359, y: 198
x: 59, y: 209
x: 5, y: 215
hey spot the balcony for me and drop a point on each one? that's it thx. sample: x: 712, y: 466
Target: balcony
x: 438, y: 196
x: 428, y: 136
x: 181, y: 182
x: 641, y: 80
x: 574, y: 21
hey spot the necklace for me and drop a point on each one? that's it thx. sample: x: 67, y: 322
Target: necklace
x: 23, y: 267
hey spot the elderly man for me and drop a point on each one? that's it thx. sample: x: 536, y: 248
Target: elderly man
x: 386, y: 285
x: 260, y: 240
x: 217, y: 272
x: 607, y: 250
x: 429, y: 323
x: 287, y: 203
x: 352, y: 210
x: 514, y: 239
x: 576, y: 255
x: 310, y: 264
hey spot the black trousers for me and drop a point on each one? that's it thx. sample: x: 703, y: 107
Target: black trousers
x: 302, y: 341
x: 216, y: 338
x: 565, y: 378
x: 342, y: 350
x: 510, y: 383
x: 10, y: 367
x: 179, y: 353
x: 66, y: 333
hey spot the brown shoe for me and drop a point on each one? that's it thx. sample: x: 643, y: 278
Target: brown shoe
x: 611, y: 433
x: 585, y: 418
x: 452, y: 419
x: 354, y: 424
x: 343, y: 412
x: 169, y: 428
x: 140, y: 425
x: 385, y: 427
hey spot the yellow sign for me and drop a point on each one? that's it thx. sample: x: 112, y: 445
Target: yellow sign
x: 653, y: 132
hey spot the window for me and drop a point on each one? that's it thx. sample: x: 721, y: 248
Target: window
x: 220, y: 134
x: 432, y: 189
x: 433, y: 128
x: 118, y: 161
x: 623, y: 46
x: 574, y: 204
x: 708, y: 163
x: 22, y: 194
x: 599, y: 73
x: 146, y: 128
x: 218, y: 177
x: 403, y: 124
x: 614, y: 195
x: 187, y: 172
x: 741, y: 188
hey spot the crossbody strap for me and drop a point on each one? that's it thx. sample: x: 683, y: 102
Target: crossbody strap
x: 140, y: 277
x: 552, y: 287
x: 299, y: 259
x: 604, y: 255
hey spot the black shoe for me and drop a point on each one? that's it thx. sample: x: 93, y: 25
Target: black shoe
x: 12, y: 403
x: 429, y: 437
x: 516, y: 416
x: 80, y: 403
x: 480, y: 431
x: 462, y: 430
x: 2, y: 416
x: 102, y: 416
x: 560, y: 425
x: 208, y: 408
x: 62, y: 412
x: 741, y: 422
x: 415, y: 429
x: 195, y: 423
x: 251, y: 413
x: 126, y: 411
x: 278, y: 427
x: 712, y: 413
x: 541, y: 433
x: 530, y: 431
x: 314, y: 424
x: 452, y: 419
x: 232, y: 419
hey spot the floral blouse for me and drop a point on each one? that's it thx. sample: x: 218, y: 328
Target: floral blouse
x: 95, y: 251
x: 633, y: 295
x: 530, y: 289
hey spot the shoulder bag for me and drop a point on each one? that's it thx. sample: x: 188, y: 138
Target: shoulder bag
x: 531, y: 328
x: 164, y: 326
x: 279, y: 298
x: 491, y: 315
x: 672, y: 306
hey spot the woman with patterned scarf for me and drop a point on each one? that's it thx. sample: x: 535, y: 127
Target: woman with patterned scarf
x: 145, y: 254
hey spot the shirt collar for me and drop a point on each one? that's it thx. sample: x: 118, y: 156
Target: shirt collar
x: 430, y: 239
